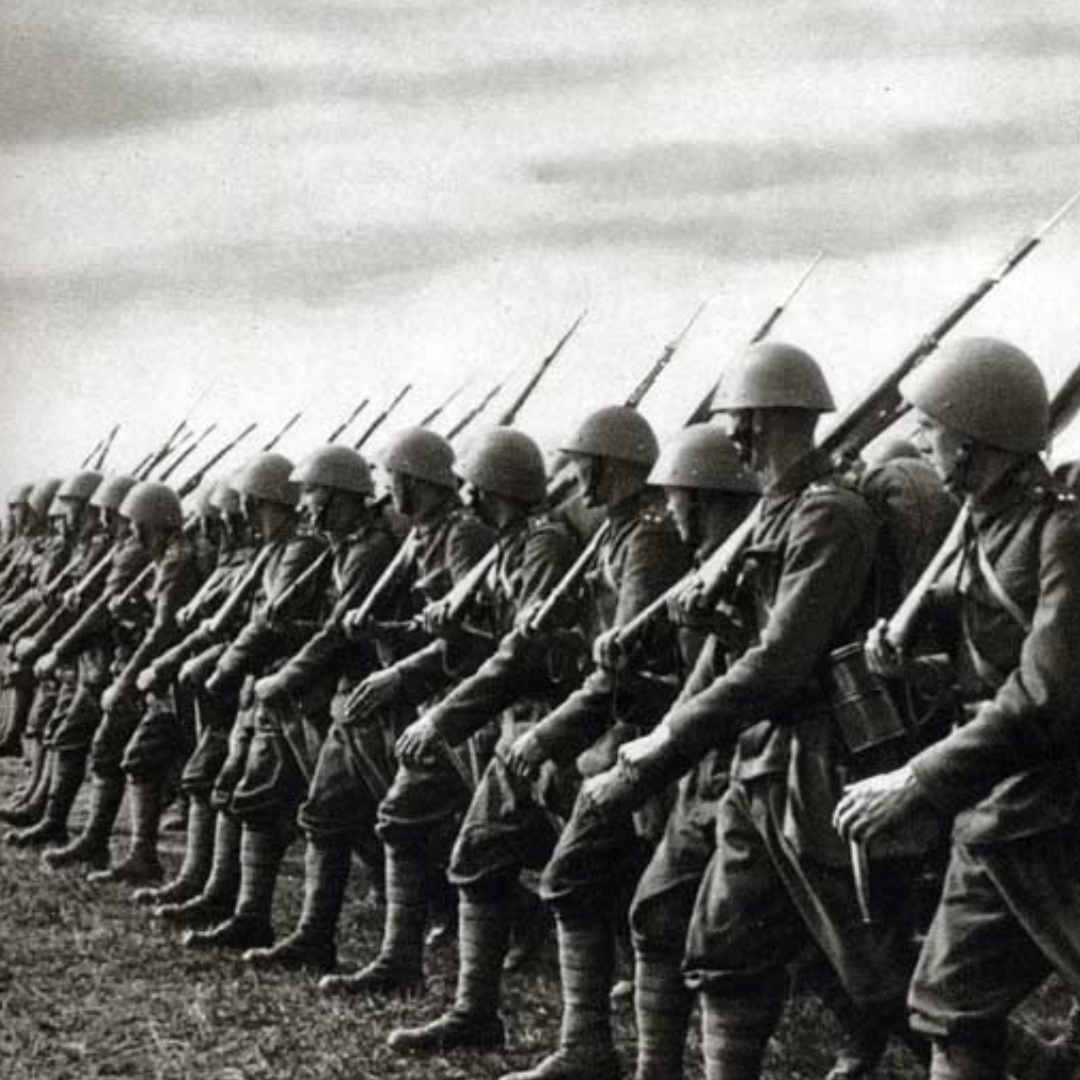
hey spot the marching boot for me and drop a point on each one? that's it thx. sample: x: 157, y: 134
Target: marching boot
x: 218, y: 897
x: 736, y: 1029
x: 398, y: 968
x: 198, y: 856
x: 66, y: 777
x: 91, y: 846
x: 176, y: 820
x: 587, y: 971
x: 662, y: 1007
x: 16, y: 700
x: 530, y: 931
x: 313, y: 944
x: 141, y: 864
x: 261, y: 852
x: 28, y: 804
x: 473, y: 1020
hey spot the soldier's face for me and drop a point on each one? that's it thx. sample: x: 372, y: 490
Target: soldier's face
x: 945, y: 449
x: 315, y: 501
x: 743, y: 428
x: 402, y: 493
x: 586, y: 471
x: 680, y: 503
x: 72, y: 511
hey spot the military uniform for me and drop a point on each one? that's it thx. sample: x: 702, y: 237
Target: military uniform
x: 1008, y: 775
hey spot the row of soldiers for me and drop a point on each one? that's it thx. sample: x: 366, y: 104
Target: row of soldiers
x: 467, y: 686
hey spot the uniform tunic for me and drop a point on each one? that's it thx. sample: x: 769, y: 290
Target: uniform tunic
x: 780, y: 872
x: 1008, y: 776
x: 356, y: 763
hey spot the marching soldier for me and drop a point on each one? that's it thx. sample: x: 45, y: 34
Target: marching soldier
x: 1007, y: 775
x: 709, y: 492
x: 506, y: 485
x: 294, y: 701
x: 780, y: 877
x: 348, y: 780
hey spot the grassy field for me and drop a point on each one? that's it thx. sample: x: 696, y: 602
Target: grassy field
x: 91, y: 987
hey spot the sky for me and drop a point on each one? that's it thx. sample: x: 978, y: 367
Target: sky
x: 301, y: 203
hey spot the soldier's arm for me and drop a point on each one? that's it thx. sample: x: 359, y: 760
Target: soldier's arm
x: 262, y: 640
x: 177, y: 581
x: 823, y: 581
x: 320, y: 655
x: 1031, y: 720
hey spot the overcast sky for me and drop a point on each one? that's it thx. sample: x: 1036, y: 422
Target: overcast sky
x: 302, y: 202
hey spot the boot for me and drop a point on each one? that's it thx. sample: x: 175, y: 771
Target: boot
x: 587, y: 971
x: 736, y: 1029
x: 398, y: 969
x: 530, y: 932
x: 473, y: 1021
x: 261, y: 852
x: 65, y: 780
x: 141, y: 864
x: 91, y: 846
x: 176, y: 820
x: 17, y: 700
x: 28, y: 805
x: 662, y: 1007
x: 198, y: 856
x: 313, y: 944
x: 218, y: 897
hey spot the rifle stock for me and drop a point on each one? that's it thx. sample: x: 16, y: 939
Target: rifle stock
x: 541, y: 617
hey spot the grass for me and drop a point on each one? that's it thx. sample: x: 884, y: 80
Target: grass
x: 91, y: 987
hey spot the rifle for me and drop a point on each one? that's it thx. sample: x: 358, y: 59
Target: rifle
x: 192, y: 446
x: 93, y: 453
x: 107, y: 448
x: 459, y: 597
x: 475, y: 411
x: 662, y: 361
x: 541, y: 615
x: 383, y: 584
x: 196, y: 478
x: 703, y: 410
x: 383, y: 416
x: 1063, y: 409
x: 340, y: 429
x: 233, y: 601
x: 289, y: 425
x: 876, y: 412
x: 510, y: 413
x: 163, y: 452
x: 440, y: 409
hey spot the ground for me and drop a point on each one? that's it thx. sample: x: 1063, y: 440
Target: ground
x: 91, y: 987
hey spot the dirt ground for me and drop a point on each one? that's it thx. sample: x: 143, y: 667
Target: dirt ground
x: 91, y: 987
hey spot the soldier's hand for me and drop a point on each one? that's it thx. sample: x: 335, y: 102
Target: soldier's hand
x: 419, y: 743
x: 610, y: 794
x: 112, y: 696
x: 23, y: 648
x: 269, y: 688
x: 439, y: 618
x: 609, y: 652
x: 214, y: 685
x: 376, y: 692
x: 70, y: 600
x: 355, y: 624
x: 637, y: 754
x: 147, y: 679
x: 689, y: 606
x: 870, y: 806
x: 525, y: 756
x: 882, y: 657
x: 46, y: 665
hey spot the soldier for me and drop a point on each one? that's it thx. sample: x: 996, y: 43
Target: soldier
x: 83, y: 522
x: 224, y: 673
x: 294, y: 701
x: 341, y: 804
x: 235, y: 555
x: 511, y: 821
x: 709, y: 492
x: 1007, y: 775
x: 779, y: 877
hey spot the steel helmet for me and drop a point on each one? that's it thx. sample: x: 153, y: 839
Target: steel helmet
x: 152, y: 503
x: 80, y: 486
x: 773, y: 375
x: 111, y: 491
x: 423, y: 454
x: 41, y: 497
x: 505, y: 462
x: 701, y: 456
x: 267, y: 476
x: 986, y: 389
x: 20, y: 495
x: 335, y: 467
x: 224, y: 498
x: 617, y: 432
